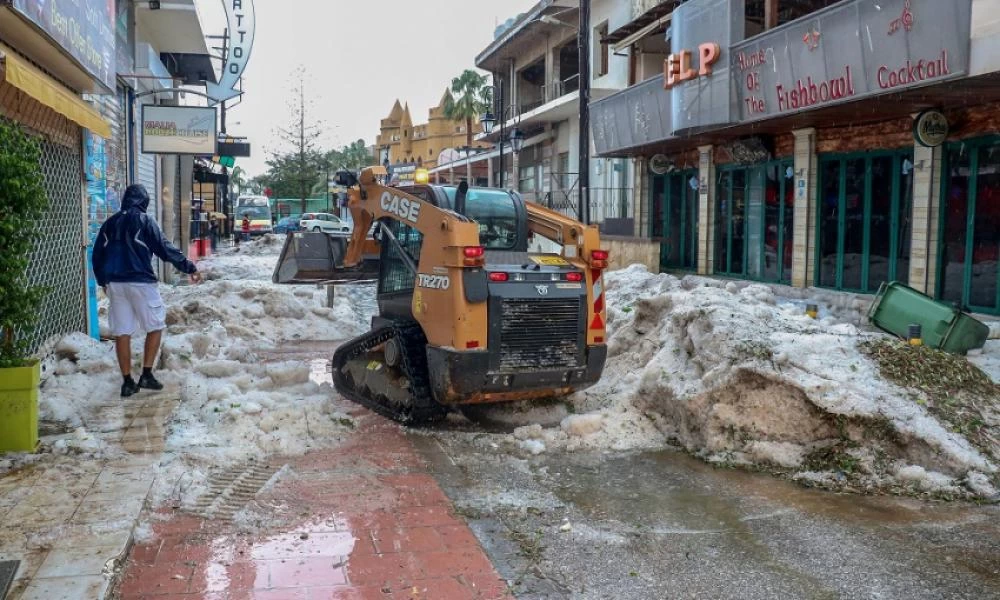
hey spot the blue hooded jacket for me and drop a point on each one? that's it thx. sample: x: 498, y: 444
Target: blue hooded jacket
x: 124, y: 248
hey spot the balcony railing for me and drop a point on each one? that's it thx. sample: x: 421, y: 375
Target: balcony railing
x: 550, y: 92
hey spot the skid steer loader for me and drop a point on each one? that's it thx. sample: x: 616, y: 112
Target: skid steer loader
x: 467, y: 314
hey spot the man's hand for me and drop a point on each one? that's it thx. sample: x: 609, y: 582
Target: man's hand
x: 195, y: 277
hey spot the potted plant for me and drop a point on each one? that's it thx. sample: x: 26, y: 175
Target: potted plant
x: 22, y: 205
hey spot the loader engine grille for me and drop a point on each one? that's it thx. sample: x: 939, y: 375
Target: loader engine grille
x: 540, y: 334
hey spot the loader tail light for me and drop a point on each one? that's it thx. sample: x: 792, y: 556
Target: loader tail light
x: 574, y: 276
x: 473, y: 256
x: 499, y: 277
x: 599, y: 259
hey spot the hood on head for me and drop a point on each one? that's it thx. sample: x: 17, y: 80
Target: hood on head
x: 135, y: 197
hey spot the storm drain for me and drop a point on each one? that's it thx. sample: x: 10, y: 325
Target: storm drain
x: 231, y: 490
x: 8, y: 569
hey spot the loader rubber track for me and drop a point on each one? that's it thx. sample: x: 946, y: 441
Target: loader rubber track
x: 420, y: 407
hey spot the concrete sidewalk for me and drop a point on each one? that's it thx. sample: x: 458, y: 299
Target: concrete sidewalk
x: 365, y: 520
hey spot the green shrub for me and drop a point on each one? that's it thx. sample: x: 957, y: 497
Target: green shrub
x: 22, y: 205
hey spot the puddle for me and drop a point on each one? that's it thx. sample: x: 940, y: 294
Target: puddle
x: 701, y: 529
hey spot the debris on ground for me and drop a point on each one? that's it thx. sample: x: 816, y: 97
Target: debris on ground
x: 739, y: 375
x: 234, y: 405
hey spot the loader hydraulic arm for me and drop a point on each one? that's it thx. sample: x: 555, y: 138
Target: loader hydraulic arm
x: 369, y: 201
x: 570, y: 233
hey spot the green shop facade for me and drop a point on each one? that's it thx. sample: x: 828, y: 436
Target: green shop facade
x: 822, y: 161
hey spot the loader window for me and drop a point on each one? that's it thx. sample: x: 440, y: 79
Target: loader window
x: 396, y: 277
x: 494, y: 212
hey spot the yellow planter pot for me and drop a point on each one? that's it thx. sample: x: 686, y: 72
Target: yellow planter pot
x: 19, y: 408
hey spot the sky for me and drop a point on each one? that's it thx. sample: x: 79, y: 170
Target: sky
x: 359, y: 57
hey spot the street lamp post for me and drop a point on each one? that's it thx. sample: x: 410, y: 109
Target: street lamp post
x: 489, y: 120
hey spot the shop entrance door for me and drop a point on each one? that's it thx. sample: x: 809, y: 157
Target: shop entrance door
x: 864, y: 208
x: 675, y: 219
x: 754, y: 221
x: 970, y: 226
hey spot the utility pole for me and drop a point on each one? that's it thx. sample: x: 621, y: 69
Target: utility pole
x: 230, y: 214
x: 584, y: 166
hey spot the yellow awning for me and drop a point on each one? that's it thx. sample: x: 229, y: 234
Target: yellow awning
x: 33, y: 82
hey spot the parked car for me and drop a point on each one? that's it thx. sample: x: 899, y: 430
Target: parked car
x: 287, y: 225
x: 324, y: 222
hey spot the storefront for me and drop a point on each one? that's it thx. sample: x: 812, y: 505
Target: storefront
x: 817, y: 166
x: 50, y: 55
x: 970, y: 224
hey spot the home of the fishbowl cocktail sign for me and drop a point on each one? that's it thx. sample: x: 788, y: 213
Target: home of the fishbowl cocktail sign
x: 851, y: 51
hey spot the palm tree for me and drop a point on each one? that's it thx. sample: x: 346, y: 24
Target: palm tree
x: 238, y: 180
x: 468, y: 100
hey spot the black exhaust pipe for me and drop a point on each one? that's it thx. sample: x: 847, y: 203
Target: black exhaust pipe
x: 463, y: 191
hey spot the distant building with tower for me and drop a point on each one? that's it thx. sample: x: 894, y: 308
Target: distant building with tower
x: 421, y: 145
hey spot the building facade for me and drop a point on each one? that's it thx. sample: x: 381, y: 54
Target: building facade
x: 73, y: 73
x: 829, y: 144
x: 403, y: 143
x: 44, y: 76
x: 535, y: 65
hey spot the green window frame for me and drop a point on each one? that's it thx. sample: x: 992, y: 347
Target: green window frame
x: 672, y: 194
x: 751, y: 181
x: 974, y: 147
x: 900, y: 212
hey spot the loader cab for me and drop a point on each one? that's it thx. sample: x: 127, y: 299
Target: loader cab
x: 503, y: 227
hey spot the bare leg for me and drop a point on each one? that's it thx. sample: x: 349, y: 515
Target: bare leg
x: 123, y: 348
x: 151, y: 348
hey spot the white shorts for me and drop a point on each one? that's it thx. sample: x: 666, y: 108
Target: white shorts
x: 135, y: 306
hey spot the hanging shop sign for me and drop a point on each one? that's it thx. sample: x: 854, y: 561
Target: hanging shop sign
x: 930, y: 128
x: 678, y: 68
x: 83, y: 28
x: 242, y: 21
x: 179, y: 130
x: 660, y: 164
x: 850, y: 51
x: 700, y: 87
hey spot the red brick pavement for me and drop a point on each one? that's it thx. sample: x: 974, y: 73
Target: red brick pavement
x: 363, y: 521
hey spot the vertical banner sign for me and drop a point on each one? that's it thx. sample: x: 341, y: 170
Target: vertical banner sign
x: 98, y: 211
x: 241, y: 22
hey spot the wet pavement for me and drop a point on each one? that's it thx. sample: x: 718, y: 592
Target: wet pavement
x: 363, y: 520
x: 664, y: 525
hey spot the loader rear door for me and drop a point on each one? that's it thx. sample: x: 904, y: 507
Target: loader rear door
x: 396, y: 278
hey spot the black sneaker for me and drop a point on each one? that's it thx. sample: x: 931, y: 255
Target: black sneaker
x: 129, y: 387
x: 149, y: 382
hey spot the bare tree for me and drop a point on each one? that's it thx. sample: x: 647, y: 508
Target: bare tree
x: 295, y: 171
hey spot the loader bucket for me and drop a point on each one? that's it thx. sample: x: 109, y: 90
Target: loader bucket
x: 315, y: 257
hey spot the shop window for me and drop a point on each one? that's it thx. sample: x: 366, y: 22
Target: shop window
x: 526, y: 179
x: 754, y: 222
x: 970, y: 226
x: 863, y: 220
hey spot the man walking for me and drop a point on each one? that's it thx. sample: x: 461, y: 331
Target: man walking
x: 123, y: 254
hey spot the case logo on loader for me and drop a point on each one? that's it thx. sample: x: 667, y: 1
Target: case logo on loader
x: 404, y: 208
x: 434, y: 282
